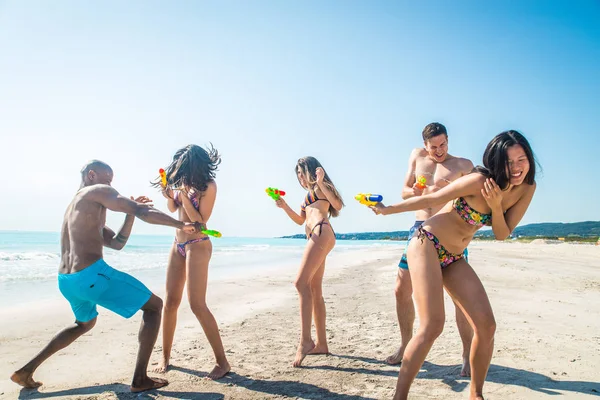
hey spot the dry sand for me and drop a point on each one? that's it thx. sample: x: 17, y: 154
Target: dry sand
x: 546, y: 298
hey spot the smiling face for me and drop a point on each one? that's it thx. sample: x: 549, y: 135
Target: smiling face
x: 301, y: 178
x: 518, y: 164
x: 437, y: 148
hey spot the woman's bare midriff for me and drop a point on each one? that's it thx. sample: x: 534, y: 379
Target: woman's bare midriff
x: 316, y: 213
x: 450, y: 229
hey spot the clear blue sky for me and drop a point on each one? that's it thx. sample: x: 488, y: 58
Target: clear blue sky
x: 351, y: 83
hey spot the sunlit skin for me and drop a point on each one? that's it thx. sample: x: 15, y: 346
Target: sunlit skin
x: 437, y: 148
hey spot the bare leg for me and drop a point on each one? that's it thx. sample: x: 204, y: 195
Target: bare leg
x: 428, y: 292
x: 147, y: 338
x: 198, y: 257
x: 319, y: 312
x: 466, y: 289
x: 405, y: 310
x: 316, y: 251
x: 175, y: 283
x: 466, y: 336
x: 24, y: 376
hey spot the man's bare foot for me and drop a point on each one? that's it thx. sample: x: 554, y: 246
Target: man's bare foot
x: 466, y: 368
x: 396, y: 358
x: 219, y: 371
x: 25, y: 379
x: 162, y: 368
x: 303, y: 350
x: 476, y: 396
x: 319, y: 349
x: 149, y: 384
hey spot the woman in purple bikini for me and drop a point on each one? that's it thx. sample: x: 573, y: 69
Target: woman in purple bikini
x: 191, y: 191
x: 497, y: 195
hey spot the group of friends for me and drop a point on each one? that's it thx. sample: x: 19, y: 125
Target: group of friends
x: 456, y: 201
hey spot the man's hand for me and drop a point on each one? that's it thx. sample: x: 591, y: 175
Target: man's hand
x: 142, y: 200
x: 416, y: 190
x: 190, y: 227
x: 379, y: 208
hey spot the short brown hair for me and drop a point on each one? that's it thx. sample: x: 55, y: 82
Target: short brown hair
x: 432, y: 130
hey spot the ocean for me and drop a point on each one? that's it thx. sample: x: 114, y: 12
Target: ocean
x: 29, y: 260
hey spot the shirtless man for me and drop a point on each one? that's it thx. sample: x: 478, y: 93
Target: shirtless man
x: 85, y: 280
x: 439, y: 169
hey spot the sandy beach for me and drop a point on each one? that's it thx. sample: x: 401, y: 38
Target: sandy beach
x: 546, y: 299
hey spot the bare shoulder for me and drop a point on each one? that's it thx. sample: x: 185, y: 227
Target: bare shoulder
x: 211, y: 189
x: 474, y: 178
x: 97, y: 192
x: 465, y: 165
x: 417, y: 154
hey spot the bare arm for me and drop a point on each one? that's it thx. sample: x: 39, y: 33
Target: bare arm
x: 409, y: 190
x: 171, y: 204
x: 297, y: 218
x: 464, y: 186
x: 206, y: 205
x: 118, y: 241
x: 504, y: 223
x: 112, y: 200
x: 331, y: 198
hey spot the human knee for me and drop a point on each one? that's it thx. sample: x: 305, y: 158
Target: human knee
x: 302, y: 286
x: 316, y: 290
x: 154, y: 304
x: 432, y: 329
x: 200, y: 309
x: 486, y: 328
x: 403, y: 290
x: 172, y: 303
x: 87, y: 326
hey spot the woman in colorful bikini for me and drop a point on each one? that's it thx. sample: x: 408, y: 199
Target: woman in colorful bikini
x: 501, y: 190
x: 191, y: 191
x: 321, y: 202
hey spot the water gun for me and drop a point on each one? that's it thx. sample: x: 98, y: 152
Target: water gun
x: 421, y: 182
x: 369, y: 199
x: 210, y: 232
x: 275, y: 194
x: 163, y: 177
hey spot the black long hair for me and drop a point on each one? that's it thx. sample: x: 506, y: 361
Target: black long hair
x: 192, y: 167
x: 495, y: 159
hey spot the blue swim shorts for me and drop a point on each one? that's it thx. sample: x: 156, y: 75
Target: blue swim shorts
x: 100, y: 284
x: 403, y: 261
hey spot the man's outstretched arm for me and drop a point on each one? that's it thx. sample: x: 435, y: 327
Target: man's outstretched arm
x: 112, y: 200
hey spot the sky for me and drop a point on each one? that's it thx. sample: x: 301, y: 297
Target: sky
x: 351, y: 83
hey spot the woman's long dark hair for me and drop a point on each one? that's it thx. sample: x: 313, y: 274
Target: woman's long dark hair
x: 495, y: 158
x: 308, y: 167
x: 192, y: 167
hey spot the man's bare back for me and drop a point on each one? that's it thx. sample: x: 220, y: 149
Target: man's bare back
x: 82, y: 241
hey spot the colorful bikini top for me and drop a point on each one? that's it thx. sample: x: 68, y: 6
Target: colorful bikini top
x: 192, y: 196
x: 470, y: 215
x: 311, y: 197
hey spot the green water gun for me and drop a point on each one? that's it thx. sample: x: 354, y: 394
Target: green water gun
x: 274, y: 193
x: 211, y: 232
